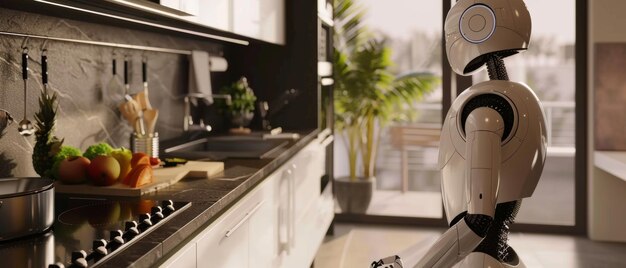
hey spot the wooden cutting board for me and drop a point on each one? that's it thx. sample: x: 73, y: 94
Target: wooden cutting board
x: 163, y: 177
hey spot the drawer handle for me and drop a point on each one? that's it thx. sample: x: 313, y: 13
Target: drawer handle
x: 248, y: 215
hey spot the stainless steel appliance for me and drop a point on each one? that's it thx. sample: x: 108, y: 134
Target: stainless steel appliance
x: 86, y: 232
x: 325, y: 81
x: 26, y: 206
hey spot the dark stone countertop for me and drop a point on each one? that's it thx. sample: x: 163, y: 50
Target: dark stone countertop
x: 209, y: 197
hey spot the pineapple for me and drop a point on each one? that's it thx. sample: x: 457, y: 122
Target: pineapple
x: 47, y: 145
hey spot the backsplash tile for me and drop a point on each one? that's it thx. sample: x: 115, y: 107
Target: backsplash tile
x: 79, y: 74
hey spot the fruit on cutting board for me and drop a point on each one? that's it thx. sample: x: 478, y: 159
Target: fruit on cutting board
x: 155, y: 161
x: 139, y: 159
x: 104, y: 170
x: 123, y: 157
x: 66, y: 152
x: 95, y: 150
x: 139, y: 175
x: 73, y: 170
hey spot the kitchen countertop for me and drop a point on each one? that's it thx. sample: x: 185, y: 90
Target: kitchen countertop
x: 209, y: 198
x: 613, y: 162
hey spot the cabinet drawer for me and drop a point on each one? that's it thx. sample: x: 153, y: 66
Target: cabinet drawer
x: 184, y: 258
x: 225, y: 243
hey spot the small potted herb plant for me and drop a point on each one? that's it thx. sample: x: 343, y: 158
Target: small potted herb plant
x: 241, y: 108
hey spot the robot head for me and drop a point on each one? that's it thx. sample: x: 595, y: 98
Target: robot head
x: 476, y: 28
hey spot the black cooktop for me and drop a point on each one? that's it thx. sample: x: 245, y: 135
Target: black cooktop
x: 100, y: 228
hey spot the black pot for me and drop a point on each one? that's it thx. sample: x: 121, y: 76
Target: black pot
x: 354, y: 196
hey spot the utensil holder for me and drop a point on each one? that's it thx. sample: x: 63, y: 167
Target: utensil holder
x: 147, y: 144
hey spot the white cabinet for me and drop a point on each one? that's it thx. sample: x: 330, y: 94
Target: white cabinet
x: 188, y: 6
x: 247, y: 17
x: 261, y: 19
x: 215, y: 13
x: 226, y: 242
x: 263, y: 226
x: 272, y: 21
x: 184, y: 258
x: 279, y: 223
x: 313, y: 211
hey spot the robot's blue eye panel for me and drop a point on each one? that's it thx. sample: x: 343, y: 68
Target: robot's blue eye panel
x: 493, y: 101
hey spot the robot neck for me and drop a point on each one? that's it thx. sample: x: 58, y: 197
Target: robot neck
x: 496, y: 68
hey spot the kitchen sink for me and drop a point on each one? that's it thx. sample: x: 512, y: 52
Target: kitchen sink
x: 216, y: 148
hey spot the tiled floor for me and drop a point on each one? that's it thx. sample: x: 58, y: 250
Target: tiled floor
x: 408, y: 204
x: 355, y: 246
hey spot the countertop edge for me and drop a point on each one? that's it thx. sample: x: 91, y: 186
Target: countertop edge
x: 613, y: 162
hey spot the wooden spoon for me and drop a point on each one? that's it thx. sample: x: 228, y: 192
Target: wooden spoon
x: 131, y: 111
x: 150, y: 116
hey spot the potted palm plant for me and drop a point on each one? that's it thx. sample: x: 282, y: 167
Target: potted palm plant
x: 367, y: 96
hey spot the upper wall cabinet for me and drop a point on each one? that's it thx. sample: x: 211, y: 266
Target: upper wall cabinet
x: 260, y: 19
x: 225, y: 20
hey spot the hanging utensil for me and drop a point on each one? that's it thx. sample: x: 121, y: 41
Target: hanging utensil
x: 44, y: 70
x: 130, y: 109
x: 25, y: 127
x: 115, y: 87
x: 142, y: 96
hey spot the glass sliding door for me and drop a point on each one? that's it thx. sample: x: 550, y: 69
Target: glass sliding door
x: 407, y: 177
x: 408, y: 180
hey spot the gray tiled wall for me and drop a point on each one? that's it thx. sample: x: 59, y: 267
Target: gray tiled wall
x: 79, y: 74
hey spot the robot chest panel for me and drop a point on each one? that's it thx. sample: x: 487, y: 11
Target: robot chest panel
x: 522, y: 154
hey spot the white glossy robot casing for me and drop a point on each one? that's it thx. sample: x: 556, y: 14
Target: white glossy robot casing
x: 523, y: 151
x: 501, y: 158
x: 475, y: 28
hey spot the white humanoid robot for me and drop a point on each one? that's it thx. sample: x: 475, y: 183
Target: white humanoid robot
x: 493, y: 142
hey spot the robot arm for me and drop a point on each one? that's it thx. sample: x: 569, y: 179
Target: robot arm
x: 484, y: 129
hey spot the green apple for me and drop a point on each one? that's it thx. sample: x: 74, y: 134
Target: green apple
x: 123, y: 157
x: 104, y: 170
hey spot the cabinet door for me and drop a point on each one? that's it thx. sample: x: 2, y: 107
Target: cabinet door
x: 313, y: 210
x: 246, y: 17
x: 184, y: 258
x: 309, y: 167
x: 272, y: 21
x: 225, y: 243
x: 261, y: 19
x: 215, y: 13
x: 264, y: 242
x: 215, y: 250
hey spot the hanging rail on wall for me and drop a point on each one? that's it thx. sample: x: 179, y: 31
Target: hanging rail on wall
x: 99, y: 43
